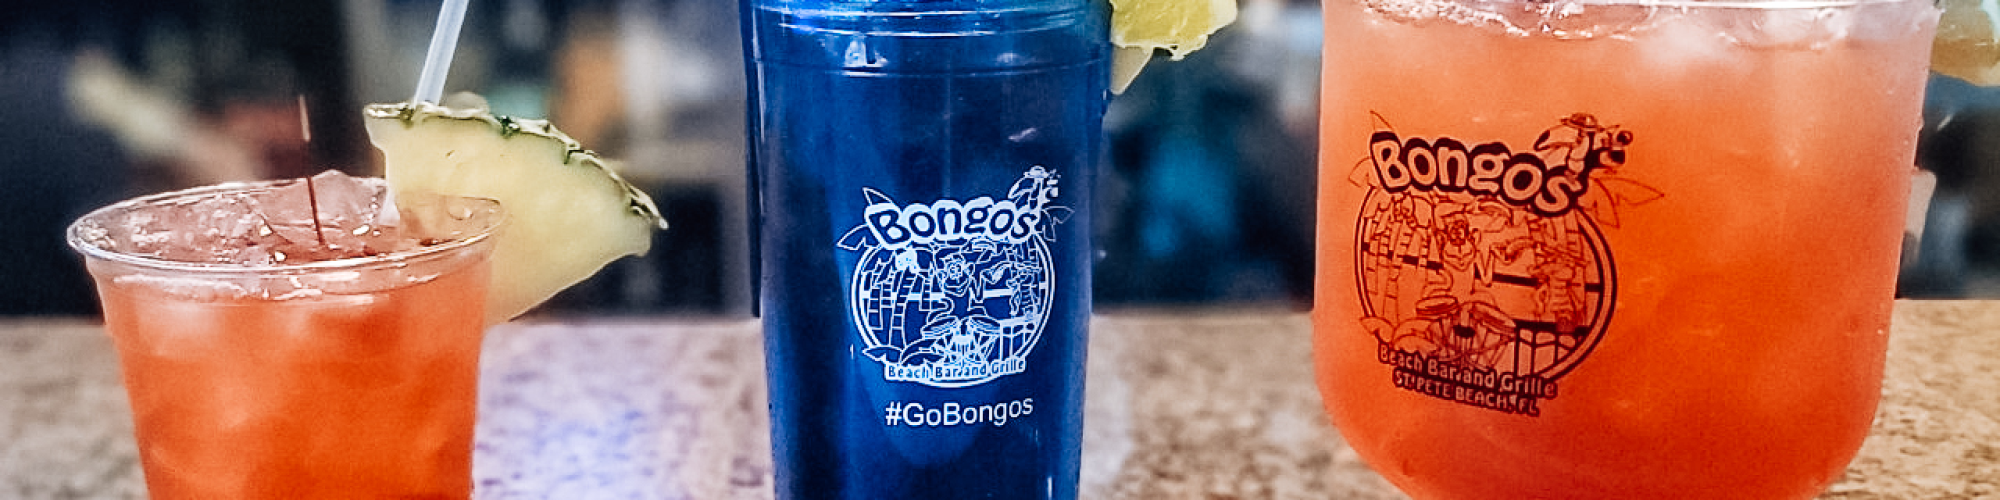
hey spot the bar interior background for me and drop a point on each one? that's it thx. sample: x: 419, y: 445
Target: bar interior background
x: 1206, y: 196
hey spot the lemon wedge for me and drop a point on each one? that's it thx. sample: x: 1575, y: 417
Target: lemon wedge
x: 568, y: 214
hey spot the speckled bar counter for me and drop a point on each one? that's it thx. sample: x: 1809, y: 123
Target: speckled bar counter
x: 1181, y: 405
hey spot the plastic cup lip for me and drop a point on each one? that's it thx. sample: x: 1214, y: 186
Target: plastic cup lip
x: 1775, y: 5
x: 884, y: 14
x: 79, y: 240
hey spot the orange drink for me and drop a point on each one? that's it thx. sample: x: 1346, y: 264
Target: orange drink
x: 1610, y: 249
x: 285, y: 340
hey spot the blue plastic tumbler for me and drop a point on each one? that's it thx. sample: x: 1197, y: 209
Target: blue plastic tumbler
x: 923, y: 172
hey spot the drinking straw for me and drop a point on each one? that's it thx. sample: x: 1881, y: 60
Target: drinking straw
x: 312, y: 194
x: 444, y: 41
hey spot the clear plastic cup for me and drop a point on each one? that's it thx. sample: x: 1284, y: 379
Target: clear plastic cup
x: 1612, y: 249
x: 345, y: 378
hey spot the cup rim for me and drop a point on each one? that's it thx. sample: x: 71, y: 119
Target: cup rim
x: 78, y: 241
x: 1711, y: 4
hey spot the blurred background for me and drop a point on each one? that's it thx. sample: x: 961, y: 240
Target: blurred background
x: 1206, y: 197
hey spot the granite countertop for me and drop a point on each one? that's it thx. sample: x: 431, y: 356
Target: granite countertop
x: 1216, y: 404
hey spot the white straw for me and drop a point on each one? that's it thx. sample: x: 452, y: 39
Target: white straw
x: 444, y: 41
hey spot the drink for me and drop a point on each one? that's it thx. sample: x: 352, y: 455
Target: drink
x: 1623, y: 250
x: 925, y: 172
x: 348, y: 372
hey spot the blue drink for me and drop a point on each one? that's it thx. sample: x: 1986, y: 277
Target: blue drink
x: 924, y: 174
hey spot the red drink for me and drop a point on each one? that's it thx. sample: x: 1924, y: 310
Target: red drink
x: 353, y: 377
x: 1612, y: 250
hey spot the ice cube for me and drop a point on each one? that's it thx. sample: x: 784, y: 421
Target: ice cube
x: 210, y: 229
x: 1580, y: 20
x: 1889, y: 21
x: 327, y: 217
x: 1687, y: 45
x: 331, y: 217
x: 289, y: 203
x: 1786, y: 28
x: 347, y: 204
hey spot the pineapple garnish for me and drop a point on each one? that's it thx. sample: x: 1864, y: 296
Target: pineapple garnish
x: 1139, y: 27
x: 568, y: 214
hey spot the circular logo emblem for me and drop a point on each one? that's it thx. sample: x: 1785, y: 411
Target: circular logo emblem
x: 1482, y: 272
x: 1480, y: 285
x: 953, y: 315
x: 955, y: 293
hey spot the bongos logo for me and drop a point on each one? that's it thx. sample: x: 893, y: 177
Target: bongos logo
x: 1482, y: 272
x: 954, y: 293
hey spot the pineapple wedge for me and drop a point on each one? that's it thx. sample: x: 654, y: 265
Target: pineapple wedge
x: 568, y: 213
x: 1179, y: 26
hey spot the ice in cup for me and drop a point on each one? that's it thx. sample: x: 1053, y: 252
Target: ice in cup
x: 1612, y: 249
x: 297, y: 339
